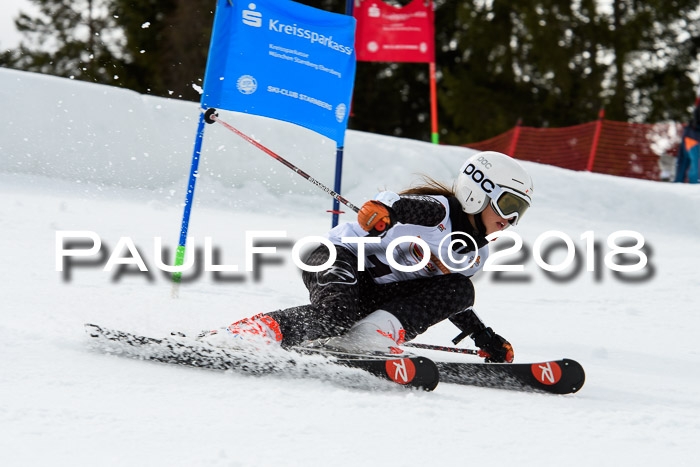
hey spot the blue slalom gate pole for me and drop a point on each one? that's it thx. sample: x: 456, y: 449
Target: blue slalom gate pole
x: 349, y: 8
x: 194, y: 168
x: 336, y: 187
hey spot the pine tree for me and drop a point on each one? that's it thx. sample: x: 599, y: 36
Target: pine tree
x: 555, y: 63
x: 166, y: 44
x: 655, y: 47
x: 71, y: 38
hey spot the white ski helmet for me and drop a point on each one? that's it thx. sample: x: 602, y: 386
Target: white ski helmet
x: 492, y: 177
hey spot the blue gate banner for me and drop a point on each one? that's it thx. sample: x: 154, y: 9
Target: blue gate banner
x: 283, y: 60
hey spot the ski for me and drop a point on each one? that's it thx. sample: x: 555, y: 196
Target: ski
x: 415, y: 370
x: 411, y: 372
x: 558, y: 376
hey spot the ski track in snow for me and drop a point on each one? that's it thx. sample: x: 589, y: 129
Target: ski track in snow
x: 122, y: 172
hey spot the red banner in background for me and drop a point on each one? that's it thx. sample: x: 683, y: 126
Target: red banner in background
x: 387, y: 33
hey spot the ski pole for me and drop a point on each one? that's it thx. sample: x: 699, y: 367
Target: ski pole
x: 210, y: 116
x: 442, y: 348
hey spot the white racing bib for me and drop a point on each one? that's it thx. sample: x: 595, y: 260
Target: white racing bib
x: 443, y: 259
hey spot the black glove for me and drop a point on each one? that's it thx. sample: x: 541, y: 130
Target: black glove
x: 498, y: 349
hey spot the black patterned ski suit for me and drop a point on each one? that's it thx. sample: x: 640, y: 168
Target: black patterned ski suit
x: 341, y: 295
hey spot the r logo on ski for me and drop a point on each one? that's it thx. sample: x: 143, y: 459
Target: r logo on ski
x: 547, y: 373
x: 402, y: 371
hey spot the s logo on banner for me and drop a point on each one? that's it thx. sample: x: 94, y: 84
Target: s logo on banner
x: 252, y: 18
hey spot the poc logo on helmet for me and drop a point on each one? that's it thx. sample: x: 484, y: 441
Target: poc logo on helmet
x: 252, y: 18
x: 479, y: 177
x: 485, y: 162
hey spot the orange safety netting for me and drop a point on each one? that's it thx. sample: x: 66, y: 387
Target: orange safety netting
x: 603, y: 146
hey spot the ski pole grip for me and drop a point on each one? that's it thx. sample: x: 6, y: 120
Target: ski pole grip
x: 460, y: 337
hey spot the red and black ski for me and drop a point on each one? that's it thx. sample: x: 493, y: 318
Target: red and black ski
x: 558, y: 377
x: 410, y: 370
x: 417, y: 372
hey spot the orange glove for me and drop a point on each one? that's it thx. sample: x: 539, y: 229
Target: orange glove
x: 376, y: 218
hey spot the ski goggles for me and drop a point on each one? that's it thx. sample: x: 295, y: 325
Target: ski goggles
x: 509, y: 204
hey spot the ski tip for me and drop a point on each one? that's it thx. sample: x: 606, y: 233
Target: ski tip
x: 563, y: 376
x: 578, y: 375
x: 429, y: 376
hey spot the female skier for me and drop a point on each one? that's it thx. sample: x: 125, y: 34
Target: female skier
x: 382, y: 305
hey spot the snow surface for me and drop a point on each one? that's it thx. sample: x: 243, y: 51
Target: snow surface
x: 77, y: 156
